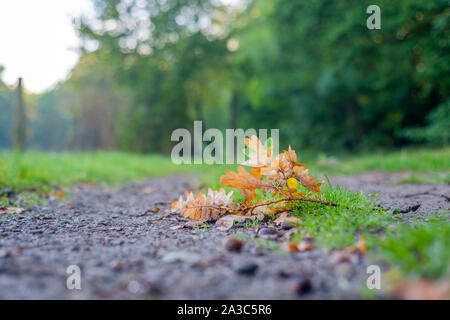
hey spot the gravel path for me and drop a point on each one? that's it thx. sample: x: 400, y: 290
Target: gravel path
x: 126, y: 250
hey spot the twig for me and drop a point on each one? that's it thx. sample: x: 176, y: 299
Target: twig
x: 333, y: 204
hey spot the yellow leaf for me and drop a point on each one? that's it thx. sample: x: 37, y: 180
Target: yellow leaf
x: 292, y: 183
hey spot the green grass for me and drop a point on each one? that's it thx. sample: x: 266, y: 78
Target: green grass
x: 421, y: 249
x: 339, y: 227
x: 426, y: 165
x: 36, y: 170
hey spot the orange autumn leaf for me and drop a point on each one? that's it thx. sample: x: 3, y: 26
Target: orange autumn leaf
x: 359, y: 247
x: 301, y: 174
x: 291, y: 157
x: 249, y: 195
x: 244, y: 181
x: 256, y: 172
x: 284, y: 162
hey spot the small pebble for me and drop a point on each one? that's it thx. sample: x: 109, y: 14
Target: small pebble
x: 257, y: 251
x: 248, y: 269
x: 233, y: 245
x: 286, y: 226
x: 301, y: 285
x: 265, y: 231
x: 8, y: 192
x: 268, y: 233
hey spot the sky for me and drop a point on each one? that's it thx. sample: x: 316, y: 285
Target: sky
x: 38, y: 41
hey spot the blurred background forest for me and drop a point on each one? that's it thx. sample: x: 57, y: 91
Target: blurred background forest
x: 308, y: 67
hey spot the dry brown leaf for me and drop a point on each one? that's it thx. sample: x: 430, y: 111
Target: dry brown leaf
x: 284, y: 162
x: 55, y: 195
x: 305, y: 245
x: 210, y: 206
x: 260, y: 157
x: 228, y: 221
x: 147, y: 190
x: 249, y: 195
x: 360, y: 246
x: 11, y: 210
x: 42, y: 218
x: 423, y: 289
x: 284, y: 218
x: 188, y: 225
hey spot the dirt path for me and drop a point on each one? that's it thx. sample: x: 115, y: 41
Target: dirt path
x: 125, y: 250
x: 408, y: 199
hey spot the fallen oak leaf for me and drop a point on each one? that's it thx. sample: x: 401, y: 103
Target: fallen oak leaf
x: 301, y: 174
x: 55, y: 195
x: 305, y: 245
x: 11, y: 210
x: 258, y: 155
x: 284, y: 162
x: 210, y: 206
x: 360, y: 246
x: 302, y: 246
x: 189, y: 225
x: 256, y: 172
x: 423, y: 289
x: 263, y: 211
x: 147, y: 190
x: 339, y: 256
x: 244, y: 180
x: 249, y: 195
x: 227, y: 222
x: 285, y: 218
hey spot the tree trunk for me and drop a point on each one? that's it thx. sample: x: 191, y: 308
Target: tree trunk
x: 19, y: 120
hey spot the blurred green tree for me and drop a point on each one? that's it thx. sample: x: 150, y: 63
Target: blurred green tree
x: 6, y: 112
x: 311, y: 68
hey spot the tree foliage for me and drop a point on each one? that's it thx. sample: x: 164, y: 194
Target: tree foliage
x: 311, y: 68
